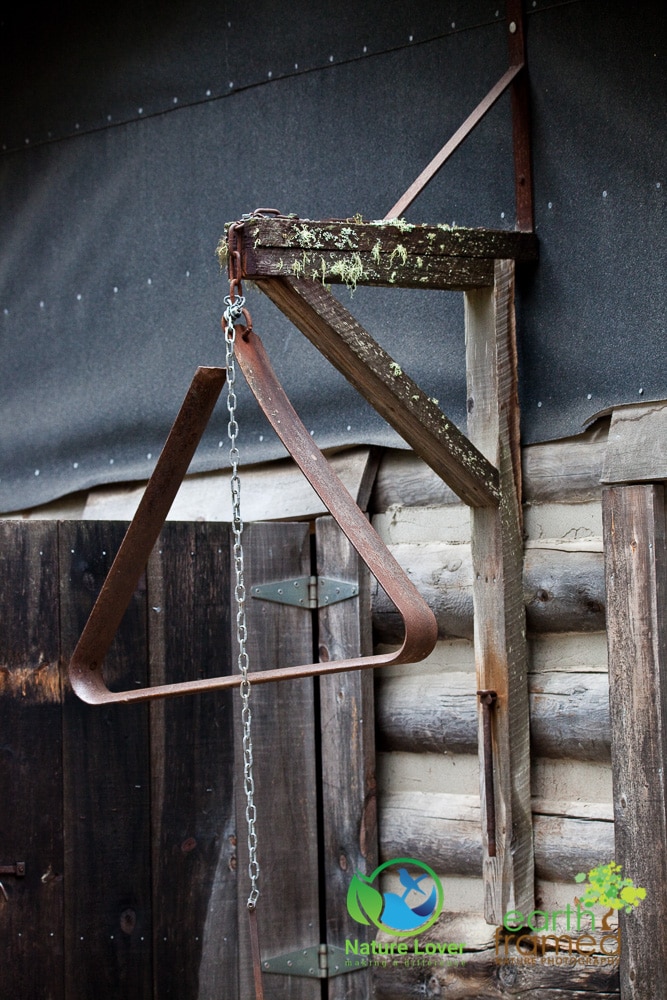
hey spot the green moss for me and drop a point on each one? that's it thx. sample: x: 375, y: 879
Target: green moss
x: 350, y: 270
x: 222, y: 252
x: 405, y: 227
x: 305, y: 237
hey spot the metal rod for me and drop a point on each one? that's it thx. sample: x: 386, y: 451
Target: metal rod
x: 488, y: 700
x: 523, y: 171
x: 255, y: 952
x: 473, y: 119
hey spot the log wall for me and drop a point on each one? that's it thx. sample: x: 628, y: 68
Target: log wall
x: 427, y: 715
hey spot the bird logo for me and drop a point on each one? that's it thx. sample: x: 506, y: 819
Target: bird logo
x: 412, y: 909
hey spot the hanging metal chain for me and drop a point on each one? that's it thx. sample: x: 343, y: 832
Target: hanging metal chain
x: 232, y: 315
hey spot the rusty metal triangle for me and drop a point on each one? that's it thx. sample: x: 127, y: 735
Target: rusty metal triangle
x: 85, y: 667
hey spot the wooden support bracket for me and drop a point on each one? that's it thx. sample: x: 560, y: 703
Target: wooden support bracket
x: 484, y: 469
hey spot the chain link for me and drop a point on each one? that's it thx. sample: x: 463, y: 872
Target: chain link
x: 232, y: 315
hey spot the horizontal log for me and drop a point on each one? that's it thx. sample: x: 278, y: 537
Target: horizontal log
x: 444, y: 831
x: 480, y: 977
x: 569, y: 714
x: 563, y: 590
x: 566, y: 471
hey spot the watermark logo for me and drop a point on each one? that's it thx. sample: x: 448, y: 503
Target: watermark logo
x: 574, y: 934
x: 404, y: 913
x: 606, y: 887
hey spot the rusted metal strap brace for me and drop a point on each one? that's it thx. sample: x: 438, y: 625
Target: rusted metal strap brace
x: 439, y: 160
x: 85, y: 668
x: 256, y: 953
x: 487, y: 700
x: 515, y: 77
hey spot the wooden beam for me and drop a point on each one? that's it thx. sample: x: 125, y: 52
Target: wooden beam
x: 636, y: 574
x: 352, y: 350
x: 394, y: 254
x: 500, y: 617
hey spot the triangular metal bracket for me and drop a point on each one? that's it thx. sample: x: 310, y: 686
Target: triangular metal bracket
x: 85, y: 668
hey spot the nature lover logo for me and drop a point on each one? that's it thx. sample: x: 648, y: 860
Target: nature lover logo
x: 409, y: 911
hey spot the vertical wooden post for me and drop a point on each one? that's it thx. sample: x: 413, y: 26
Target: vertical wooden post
x: 636, y: 579
x: 500, y: 628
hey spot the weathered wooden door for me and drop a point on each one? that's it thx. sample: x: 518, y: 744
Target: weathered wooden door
x: 130, y: 820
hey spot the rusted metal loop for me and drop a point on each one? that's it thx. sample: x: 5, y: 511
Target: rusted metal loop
x: 85, y: 668
x: 267, y: 211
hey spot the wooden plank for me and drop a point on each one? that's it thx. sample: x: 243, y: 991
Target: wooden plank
x: 569, y: 712
x: 31, y: 755
x: 636, y: 574
x: 445, y: 831
x: 192, y: 767
x: 108, y: 919
x: 500, y: 617
x: 349, y: 794
x: 351, y: 349
x: 563, y: 591
x: 288, y: 912
x: 636, y: 450
x: 391, y: 239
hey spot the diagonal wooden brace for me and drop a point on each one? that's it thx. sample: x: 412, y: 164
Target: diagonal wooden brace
x: 352, y: 350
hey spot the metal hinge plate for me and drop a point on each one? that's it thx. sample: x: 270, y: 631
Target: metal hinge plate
x: 322, y: 961
x: 306, y: 591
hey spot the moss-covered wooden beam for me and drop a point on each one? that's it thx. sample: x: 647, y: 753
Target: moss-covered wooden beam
x: 393, y: 253
x: 380, y: 380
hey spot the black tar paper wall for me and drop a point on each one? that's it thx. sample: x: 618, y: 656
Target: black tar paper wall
x: 131, y: 132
